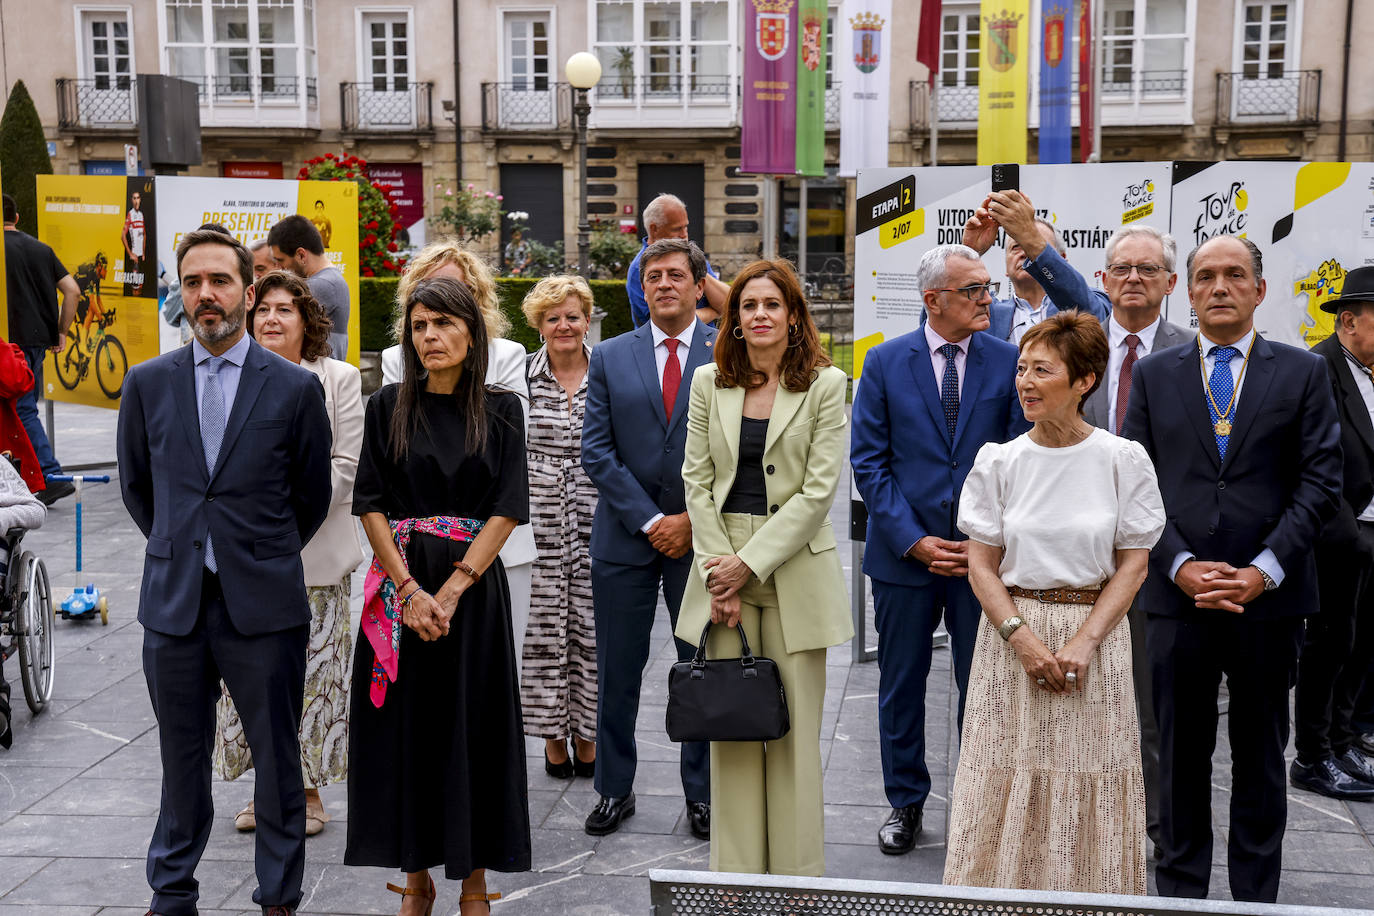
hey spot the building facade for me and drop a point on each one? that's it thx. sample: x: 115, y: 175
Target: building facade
x: 281, y: 81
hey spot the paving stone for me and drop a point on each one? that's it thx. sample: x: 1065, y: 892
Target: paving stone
x: 115, y: 882
x: 22, y: 786
x: 15, y: 870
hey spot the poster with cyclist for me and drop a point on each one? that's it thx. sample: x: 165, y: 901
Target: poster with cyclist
x: 102, y: 230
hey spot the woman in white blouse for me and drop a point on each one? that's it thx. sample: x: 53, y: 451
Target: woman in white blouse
x: 1049, y: 793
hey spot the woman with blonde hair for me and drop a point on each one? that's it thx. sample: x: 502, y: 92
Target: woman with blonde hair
x: 505, y: 369
x: 558, y: 675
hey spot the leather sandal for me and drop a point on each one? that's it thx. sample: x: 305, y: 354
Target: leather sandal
x: 478, y: 898
x: 412, y: 892
x: 246, y: 820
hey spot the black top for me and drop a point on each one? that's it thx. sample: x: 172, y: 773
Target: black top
x: 32, y: 271
x: 749, y: 494
x: 438, y: 477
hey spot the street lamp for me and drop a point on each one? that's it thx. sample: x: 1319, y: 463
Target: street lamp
x: 583, y: 70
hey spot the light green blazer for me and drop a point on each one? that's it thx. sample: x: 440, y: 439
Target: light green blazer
x: 804, y: 453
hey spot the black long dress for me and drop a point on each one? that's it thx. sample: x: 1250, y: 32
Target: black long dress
x: 437, y: 774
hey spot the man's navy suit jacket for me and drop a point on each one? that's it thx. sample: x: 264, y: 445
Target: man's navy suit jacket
x: 907, y: 469
x: 1279, y: 484
x: 631, y: 451
x: 269, y: 493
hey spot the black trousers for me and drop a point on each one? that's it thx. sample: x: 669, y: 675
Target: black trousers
x: 265, y: 675
x: 1336, y: 651
x: 1188, y: 657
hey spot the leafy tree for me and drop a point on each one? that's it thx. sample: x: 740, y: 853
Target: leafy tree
x: 23, y: 155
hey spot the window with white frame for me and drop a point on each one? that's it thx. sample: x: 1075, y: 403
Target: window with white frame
x: 529, y: 63
x: 1266, y: 39
x: 386, y: 51
x: 656, y: 49
x: 1144, y: 48
x: 242, y: 49
x: 957, y: 97
x: 106, y: 51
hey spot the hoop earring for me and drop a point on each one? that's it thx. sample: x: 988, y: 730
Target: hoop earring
x: 794, y: 335
x: 738, y: 332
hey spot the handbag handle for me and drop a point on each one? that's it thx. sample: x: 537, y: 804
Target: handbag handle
x: 746, y: 654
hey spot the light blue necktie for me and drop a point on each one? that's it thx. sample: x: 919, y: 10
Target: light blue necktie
x: 1222, y: 386
x: 211, y: 432
x: 949, y: 388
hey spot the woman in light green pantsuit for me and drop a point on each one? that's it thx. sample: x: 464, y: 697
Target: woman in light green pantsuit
x: 765, y: 447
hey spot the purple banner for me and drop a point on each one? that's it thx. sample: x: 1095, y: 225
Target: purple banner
x: 768, y: 118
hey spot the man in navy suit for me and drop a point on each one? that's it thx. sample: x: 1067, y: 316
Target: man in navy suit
x: 1245, y: 439
x: 926, y: 403
x: 224, y: 465
x: 1042, y: 282
x: 633, y: 438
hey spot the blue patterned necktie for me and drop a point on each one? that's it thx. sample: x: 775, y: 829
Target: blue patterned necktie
x: 1222, y: 387
x: 949, y: 388
x: 211, y: 432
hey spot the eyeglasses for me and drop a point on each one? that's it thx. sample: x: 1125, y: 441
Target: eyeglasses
x: 1146, y: 271
x: 974, y: 293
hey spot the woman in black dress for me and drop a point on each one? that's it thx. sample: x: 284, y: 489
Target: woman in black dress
x: 437, y: 765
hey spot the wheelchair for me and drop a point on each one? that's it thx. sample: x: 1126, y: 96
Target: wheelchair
x: 28, y: 618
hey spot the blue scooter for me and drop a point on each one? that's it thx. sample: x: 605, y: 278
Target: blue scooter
x: 85, y: 601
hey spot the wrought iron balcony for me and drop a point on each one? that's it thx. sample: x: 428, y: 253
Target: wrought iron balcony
x: 229, y: 90
x: 370, y: 106
x: 670, y: 88
x: 108, y: 103
x: 531, y: 104
x: 832, y: 107
x: 957, y: 106
x: 1145, y: 84
x: 1283, y: 97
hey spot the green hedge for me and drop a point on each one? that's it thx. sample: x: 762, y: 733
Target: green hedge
x: 377, y: 294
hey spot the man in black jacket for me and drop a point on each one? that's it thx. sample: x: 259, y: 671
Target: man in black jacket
x: 1337, y: 646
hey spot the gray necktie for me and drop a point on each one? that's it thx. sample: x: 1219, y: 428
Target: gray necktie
x: 211, y: 432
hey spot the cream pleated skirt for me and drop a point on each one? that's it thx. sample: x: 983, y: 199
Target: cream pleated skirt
x: 1049, y: 793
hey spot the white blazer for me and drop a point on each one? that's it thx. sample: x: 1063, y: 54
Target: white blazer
x: 336, y: 550
x: 505, y: 369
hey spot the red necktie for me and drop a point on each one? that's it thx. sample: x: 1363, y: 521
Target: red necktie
x: 1123, y: 381
x: 672, y: 377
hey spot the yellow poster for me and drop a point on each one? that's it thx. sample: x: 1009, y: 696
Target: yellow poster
x: 333, y: 207
x: 104, y: 230
x: 1002, y: 78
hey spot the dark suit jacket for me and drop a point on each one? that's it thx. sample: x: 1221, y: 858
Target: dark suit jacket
x: 908, y: 471
x: 1280, y: 482
x: 1357, y: 448
x: 269, y: 493
x: 1064, y: 287
x: 1096, y: 410
x: 630, y: 450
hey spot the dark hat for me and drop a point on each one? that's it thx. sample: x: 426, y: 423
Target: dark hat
x: 1358, y: 287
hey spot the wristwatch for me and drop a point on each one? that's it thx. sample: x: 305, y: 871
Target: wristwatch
x: 1010, y: 626
x: 1269, y: 583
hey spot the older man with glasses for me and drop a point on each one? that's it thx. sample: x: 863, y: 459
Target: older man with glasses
x: 911, y: 449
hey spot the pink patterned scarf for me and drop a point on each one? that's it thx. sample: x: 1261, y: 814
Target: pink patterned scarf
x: 382, y: 605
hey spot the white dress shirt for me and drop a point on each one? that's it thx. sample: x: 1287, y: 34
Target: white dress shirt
x: 1366, y: 386
x: 1025, y: 317
x: 937, y: 359
x: 661, y: 362
x: 1116, y: 338
x: 1266, y: 560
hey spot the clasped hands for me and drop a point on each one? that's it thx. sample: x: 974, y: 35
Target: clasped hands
x: 1050, y: 670
x: 942, y: 557
x: 1214, y: 584
x: 725, y: 576
x: 671, y: 535
x: 429, y: 615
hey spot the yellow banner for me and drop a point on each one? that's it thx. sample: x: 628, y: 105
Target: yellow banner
x: 104, y: 230
x: 1002, y: 77
x: 333, y: 207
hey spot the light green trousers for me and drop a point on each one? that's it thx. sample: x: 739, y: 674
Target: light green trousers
x: 766, y: 809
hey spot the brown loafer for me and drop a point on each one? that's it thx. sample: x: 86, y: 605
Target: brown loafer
x: 246, y: 821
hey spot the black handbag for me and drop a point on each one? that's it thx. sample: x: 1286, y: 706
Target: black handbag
x: 726, y: 699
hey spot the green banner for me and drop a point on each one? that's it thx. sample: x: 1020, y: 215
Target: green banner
x: 811, y: 87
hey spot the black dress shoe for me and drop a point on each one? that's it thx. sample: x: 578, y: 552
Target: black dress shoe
x: 55, y: 491
x: 583, y: 768
x: 1365, y: 742
x: 1325, y: 777
x: 699, y: 819
x: 1357, y: 763
x: 608, y: 813
x: 898, y: 833
x: 562, y: 770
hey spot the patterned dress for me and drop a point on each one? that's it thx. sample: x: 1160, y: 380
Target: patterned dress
x: 558, y: 674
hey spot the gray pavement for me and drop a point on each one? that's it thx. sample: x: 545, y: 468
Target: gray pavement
x: 79, y: 790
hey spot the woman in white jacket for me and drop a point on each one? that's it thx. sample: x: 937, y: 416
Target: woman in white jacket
x: 505, y: 369
x: 287, y: 320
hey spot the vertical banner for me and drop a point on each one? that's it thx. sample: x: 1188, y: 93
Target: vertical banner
x: 1086, y: 58
x: 768, y: 121
x: 1056, y: 129
x: 928, y: 39
x: 811, y: 88
x: 1002, y: 77
x: 104, y: 231
x: 862, y: 70
x: 404, y: 183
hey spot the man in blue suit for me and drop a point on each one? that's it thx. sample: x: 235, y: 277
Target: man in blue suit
x: 633, y: 438
x: 926, y: 403
x: 224, y: 465
x: 1042, y: 282
x: 1244, y: 435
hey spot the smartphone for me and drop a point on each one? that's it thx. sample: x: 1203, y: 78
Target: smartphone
x: 1006, y: 176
